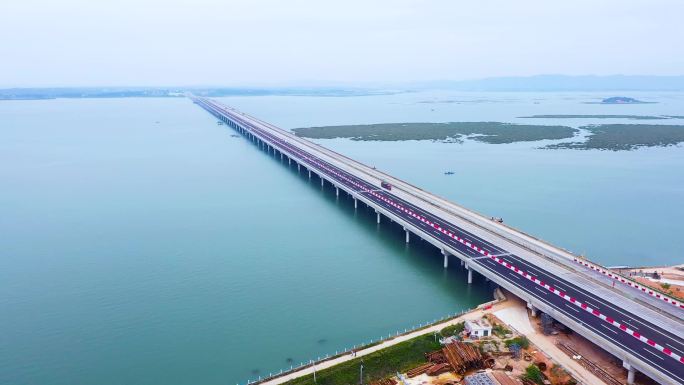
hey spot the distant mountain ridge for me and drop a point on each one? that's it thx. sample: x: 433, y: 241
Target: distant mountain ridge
x: 562, y: 83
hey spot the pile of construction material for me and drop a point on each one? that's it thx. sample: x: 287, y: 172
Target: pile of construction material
x: 436, y: 357
x: 493, y: 378
x: 384, y: 381
x: 462, y: 356
x: 419, y: 370
x: 437, y: 369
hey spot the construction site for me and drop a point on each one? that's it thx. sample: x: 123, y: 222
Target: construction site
x: 542, y: 352
x: 501, y: 357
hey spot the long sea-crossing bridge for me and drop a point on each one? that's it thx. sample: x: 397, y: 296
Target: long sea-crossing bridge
x: 644, y: 331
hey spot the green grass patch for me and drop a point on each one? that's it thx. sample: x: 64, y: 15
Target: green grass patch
x: 522, y: 341
x: 500, y: 330
x: 377, y: 365
x: 533, y: 374
x: 452, y: 330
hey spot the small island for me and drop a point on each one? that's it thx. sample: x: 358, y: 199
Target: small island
x: 620, y: 100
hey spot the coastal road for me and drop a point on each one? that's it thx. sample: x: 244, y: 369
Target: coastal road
x: 653, y: 345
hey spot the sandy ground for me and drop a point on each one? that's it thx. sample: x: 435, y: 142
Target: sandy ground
x: 387, y: 343
x: 424, y: 379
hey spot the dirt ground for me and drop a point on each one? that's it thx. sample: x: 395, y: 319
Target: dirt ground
x: 670, y: 275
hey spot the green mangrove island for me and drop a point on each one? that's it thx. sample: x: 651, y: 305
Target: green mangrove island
x: 617, y: 137
x: 488, y: 132
x: 614, y: 137
x: 633, y: 117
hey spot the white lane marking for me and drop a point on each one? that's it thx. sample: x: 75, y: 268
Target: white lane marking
x: 630, y: 325
x: 516, y: 276
x: 657, y: 355
x: 545, y: 292
x: 611, y: 330
x: 561, y: 288
x: 500, y: 255
x: 573, y: 308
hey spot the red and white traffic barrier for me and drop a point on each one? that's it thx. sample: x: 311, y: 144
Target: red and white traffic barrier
x: 628, y: 282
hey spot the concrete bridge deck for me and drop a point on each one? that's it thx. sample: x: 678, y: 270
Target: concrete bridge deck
x: 646, y: 336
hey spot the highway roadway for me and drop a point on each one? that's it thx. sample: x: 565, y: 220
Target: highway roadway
x: 655, y: 345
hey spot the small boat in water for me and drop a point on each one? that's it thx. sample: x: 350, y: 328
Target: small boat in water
x: 449, y: 173
x: 220, y: 123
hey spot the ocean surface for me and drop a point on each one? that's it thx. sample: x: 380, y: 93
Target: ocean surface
x: 141, y: 243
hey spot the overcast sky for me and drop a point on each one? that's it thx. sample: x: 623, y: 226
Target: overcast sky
x: 309, y: 42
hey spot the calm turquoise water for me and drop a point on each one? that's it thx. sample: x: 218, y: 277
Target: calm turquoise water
x: 137, y: 252
x: 141, y: 244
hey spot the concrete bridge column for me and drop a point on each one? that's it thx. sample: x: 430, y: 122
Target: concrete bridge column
x: 533, y: 310
x: 309, y: 171
x: 289, y: 161
x: 337, y: 191
x: 298, y: 166
x: 446, y: 258
x: 356, y: 203
x: 407, y: 234
x: 462, y: 262
x: 630, y: 372
x: 281, y: 156
x: 378, y: 215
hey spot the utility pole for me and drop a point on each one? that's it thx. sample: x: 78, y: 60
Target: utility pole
x: 361, y: 374
x: 314, y: 370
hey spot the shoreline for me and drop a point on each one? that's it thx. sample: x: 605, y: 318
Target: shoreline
x: 364, y: 350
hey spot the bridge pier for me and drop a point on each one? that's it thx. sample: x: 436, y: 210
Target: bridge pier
x: 533, y: 310
x: 356, y: 203
x: 446, y: 258
x: 322, y: 181
x: 470, y: 275
x: 462, y: 263
x: 630, y: 372
x: 337, y: 191
x: 309, y: 171
x: 298, y: 166
x: 407, y: 234
x: 378, y: 215
x: 289, y: 161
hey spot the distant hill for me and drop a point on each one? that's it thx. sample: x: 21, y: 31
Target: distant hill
x: 562, y: 83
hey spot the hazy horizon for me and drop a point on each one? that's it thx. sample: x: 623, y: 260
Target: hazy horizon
x: 152, y: 43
